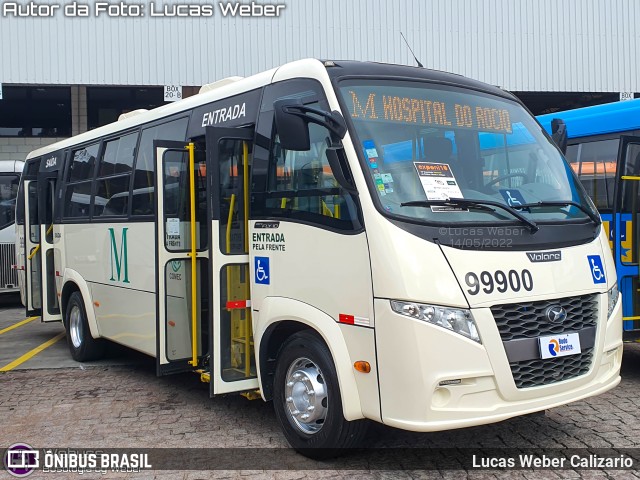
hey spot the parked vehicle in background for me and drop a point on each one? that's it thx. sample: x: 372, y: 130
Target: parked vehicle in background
x: 603, y: 149
x: 9, y: 180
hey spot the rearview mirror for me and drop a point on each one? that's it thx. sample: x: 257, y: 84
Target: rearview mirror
x: 292, y: 119
x: 559, y: 134
x: 293, y: 130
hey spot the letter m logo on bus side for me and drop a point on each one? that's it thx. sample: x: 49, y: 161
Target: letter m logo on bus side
x: 119, y: 257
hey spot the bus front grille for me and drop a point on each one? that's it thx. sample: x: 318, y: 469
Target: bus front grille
x: 529, y: 320
x: 8, y: 276
x: 533, y: 373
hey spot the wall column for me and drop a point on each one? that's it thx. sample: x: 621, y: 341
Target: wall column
x: 78, y: 109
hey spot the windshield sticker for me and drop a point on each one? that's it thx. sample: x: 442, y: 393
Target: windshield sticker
x: 447, y: 209
x: 387, y: 178
x: 513, y: 197
x: 371, y: 153
x: 438, y: 181
x: 370, y: 149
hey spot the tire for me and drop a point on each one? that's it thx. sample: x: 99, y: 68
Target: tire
x: 82, y: 345
x: 304, y: 363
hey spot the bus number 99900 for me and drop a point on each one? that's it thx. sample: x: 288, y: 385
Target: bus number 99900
x: 499, y: 281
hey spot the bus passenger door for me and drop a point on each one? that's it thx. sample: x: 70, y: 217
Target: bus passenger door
x: 33, y: 262
x: 182, y: 258
x: 46, y: 201
x: 229, y: 159
x: 626, y: 218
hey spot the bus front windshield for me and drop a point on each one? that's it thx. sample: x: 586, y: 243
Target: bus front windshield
x: 8, y: 194
x: 425, y: 145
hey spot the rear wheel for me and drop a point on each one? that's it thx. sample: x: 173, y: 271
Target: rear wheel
x: 82, y: 345
x: 307, y: 400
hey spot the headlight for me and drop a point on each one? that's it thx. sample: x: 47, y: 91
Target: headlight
x: 454, y: 319
x: 612, y: 299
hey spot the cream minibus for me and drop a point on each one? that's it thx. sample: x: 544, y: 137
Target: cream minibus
x: 352, y: 241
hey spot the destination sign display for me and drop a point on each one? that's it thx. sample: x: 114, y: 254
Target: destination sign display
x: 415, y: 109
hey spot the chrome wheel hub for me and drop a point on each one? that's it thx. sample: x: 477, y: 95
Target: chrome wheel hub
x: 75, y: 321
x: 306, y: 396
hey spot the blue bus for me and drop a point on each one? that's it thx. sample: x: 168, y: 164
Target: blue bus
x: 603, y: 149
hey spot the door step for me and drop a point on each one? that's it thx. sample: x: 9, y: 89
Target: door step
x: 205, y: 376
x: 252, y: 394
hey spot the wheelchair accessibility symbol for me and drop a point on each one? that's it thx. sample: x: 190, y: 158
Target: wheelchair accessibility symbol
x: 513, y: 198
x: 514, y: 202
x: 261, y: 268
x: 597, y: 270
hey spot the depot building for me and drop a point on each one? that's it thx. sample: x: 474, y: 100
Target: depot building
x: 68, y: 67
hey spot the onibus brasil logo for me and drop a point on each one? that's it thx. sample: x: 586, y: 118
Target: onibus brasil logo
x: 20, y: 460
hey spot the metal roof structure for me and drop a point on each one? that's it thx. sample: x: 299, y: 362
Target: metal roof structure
x: 521, y: 45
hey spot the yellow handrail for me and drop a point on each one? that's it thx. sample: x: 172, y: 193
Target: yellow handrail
x: 245, y: 166
x: 247, y: 330
x: 232, y: 204
x: 35, y: 250
x: 630, y: 177
x: 194, y: 278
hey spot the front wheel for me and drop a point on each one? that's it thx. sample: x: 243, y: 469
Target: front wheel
x: 82, y: 345
x: 307, y: 399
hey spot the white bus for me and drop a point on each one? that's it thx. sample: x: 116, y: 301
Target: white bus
x: 9, y: 181
x: 334, y: 236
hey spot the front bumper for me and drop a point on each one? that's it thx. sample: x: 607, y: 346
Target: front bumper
x: 414, y: 357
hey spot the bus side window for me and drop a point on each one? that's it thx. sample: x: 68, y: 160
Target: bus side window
x: 8, y: 193
x: 114, y: 171
x: 79, y: 182
x: 143, y: 195
x: 308, y: 180
x: 298, y: 185
x: 595, y: 165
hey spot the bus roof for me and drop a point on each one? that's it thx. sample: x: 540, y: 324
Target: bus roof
x: 185, y: 105
x: 335, y: 69
x: 598, y: 119
x: 355, y: 69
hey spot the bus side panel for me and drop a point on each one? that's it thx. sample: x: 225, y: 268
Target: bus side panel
x: 118, y: 265
x: 125, y: 316
x: 278, y: 309
x: 361, y: 344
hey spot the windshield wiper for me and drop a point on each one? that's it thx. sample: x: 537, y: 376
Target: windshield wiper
x: 567, y: 203
x: 476, y: 204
